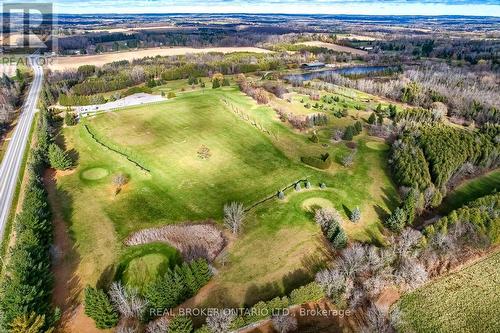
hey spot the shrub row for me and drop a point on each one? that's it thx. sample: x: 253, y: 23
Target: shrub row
x: 322, y: 162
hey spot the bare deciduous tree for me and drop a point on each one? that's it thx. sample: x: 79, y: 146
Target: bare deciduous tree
x: 376, y: 321
x: 284, y: 323
x: 332, y: 281
x: 326, y: 216
x: 126, y: 301
x: 234, y: 215
x: 158, y: 326
x: 220, y: 321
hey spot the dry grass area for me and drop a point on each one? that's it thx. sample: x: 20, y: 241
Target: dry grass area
x: 73, y: 62
x: 335, y: 47
x: 192, y: 240
x: 355, y: 37
x: 8, y: 69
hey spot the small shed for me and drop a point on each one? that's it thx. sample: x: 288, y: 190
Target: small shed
x: 312, y: 65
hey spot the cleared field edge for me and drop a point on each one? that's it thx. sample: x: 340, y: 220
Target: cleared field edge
x: 16, y: 199
x: 73, y: 62
x: 448, y: 295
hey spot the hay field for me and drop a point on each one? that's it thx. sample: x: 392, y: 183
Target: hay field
x: 465, y: 301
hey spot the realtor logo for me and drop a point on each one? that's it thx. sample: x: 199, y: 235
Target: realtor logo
x: 27, y: 28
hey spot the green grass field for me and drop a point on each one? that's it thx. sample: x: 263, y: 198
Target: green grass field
x: 245, y: 165
x: 465, y: 301
x: 471, y: 190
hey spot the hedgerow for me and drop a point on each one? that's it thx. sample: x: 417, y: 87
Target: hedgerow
x: 26, y: 287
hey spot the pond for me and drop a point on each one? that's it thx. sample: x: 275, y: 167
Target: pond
x: 354, y: 70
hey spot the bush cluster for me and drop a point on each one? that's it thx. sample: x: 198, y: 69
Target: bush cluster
x: 178, y: 284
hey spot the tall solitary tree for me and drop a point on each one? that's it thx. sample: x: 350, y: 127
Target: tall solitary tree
x: 355, y: 215
x: 58, y: 158
x: 372, y: 119
x: 234, y: 216
x: 99, y: 308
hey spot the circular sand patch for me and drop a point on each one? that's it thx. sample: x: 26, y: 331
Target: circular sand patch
x: 312, y: 204
x: 375, y: 145
x: 94, y: 173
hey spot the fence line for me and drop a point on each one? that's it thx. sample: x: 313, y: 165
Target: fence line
x: 116, y: 151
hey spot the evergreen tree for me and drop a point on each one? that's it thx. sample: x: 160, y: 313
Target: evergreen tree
x: 396, y: 221
x: 69, y: 119
x: 43, y: 137
x: 372, y: 118
x: 392, y: 111
x: 332, y: 230
x: 215, y: 84
x: 98, y: 307
x: 30, y: 324
x: 355, y: 215
x: 180, y: 324
x: 358, y: 127
x: 164, y: 293
x: 339, y: 240
x: 410, y: 205
x: 58, y: 158
x: 189, y: 279
x: 380, y: 119
x: 349, y: 133
x: 179, y: 279
x: 201, y: 271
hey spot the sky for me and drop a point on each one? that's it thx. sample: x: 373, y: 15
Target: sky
x: 365, y: 7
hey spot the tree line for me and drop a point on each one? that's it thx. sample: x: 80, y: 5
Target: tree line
x: 26, y: 288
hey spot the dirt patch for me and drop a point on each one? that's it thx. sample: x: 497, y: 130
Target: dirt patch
x: 387, y: 297
x: 78, y: 322
x: 66, y: 283
x: 192, y: 240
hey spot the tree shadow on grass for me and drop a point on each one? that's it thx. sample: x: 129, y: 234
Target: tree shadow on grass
x: 381, y: 212
x: 347, y: 211
x: 74, y: 156
x: 295, y: 279
x: 107, y: 277
x: 264, y: 292
x: 390, y: 198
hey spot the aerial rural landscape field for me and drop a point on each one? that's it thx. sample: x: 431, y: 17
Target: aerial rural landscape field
x: 219, y: 172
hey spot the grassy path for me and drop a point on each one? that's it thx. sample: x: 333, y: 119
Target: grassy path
x: 471, y: 190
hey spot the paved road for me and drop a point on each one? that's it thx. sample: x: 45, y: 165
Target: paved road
x: 11, y: 164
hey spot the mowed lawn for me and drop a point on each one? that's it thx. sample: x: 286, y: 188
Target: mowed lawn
x: 245, y: 165
x: 465, y: 301
x: 471, y: 190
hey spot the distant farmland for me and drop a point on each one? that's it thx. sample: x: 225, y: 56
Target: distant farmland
x: 465, y: 301
x: 335, y: 47
x: 73, y: 62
